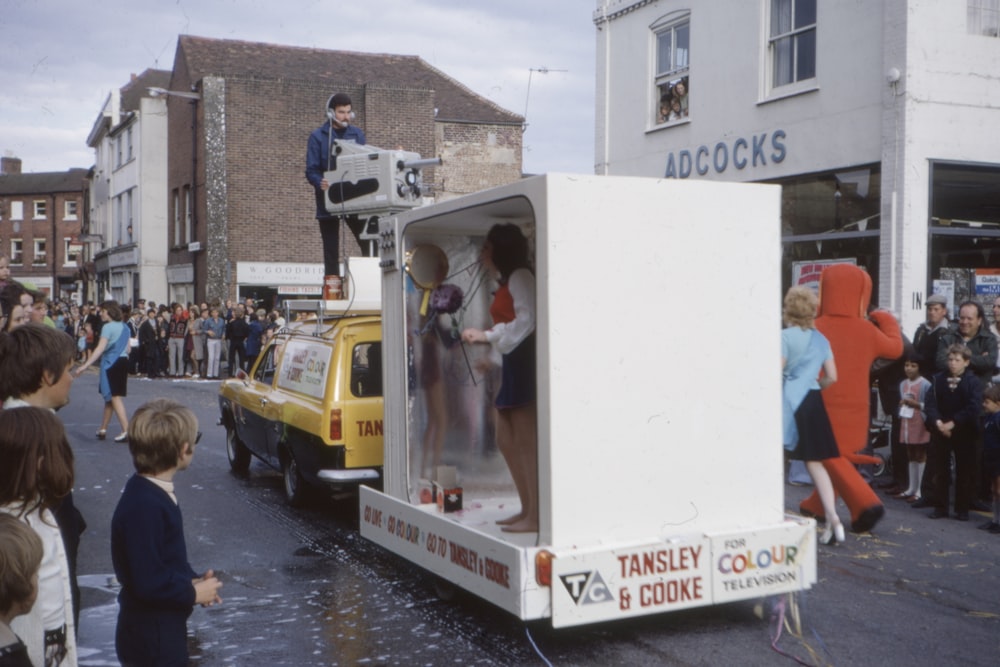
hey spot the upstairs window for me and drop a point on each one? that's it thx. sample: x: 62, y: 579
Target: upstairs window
x: 177, y: 217
x: 792, y: 42
x: 672, y: 35
x: 17, y: 210
x: 38, y: 256
x: 39, y: 209
x: 983, y: 17
x: 16, y: 251
x: 69, y: 213
x: 188, y: 216
x: 71, y: 252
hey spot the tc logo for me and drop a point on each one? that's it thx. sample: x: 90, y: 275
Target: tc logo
x: 586, y: 587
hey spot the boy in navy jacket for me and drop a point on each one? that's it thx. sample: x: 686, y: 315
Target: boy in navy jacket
x: 952, y: 407
x: 159, y: 587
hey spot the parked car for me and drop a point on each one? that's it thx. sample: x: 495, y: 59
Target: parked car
x: 311, y: 406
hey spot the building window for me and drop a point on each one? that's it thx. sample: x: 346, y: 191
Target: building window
x: 177, y: 217
x: 128, y: 141
x: 17, y: 210
x: 129, y: 216
x: 792, y: 44
x: 16, y: 251
x: 672, y: 36
x: 38, y: 256
x: 39, y: 208
x: 69, y: 212
x: 118, y: 151
x: 188, y: 215
x: 984, y: 17
x: 118, y: 214
x: 71, y: 252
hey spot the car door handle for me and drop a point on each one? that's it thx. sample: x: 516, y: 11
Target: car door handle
x: 263, y: 402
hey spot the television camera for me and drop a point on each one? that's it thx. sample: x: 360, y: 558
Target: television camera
x: 370, y: 182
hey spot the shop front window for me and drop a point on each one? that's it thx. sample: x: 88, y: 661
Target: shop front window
x: 831, y: 217
x: 964, y: 253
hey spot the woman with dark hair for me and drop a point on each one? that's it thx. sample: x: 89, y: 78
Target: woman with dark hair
x: 505, y: 252
x: 112, y: 350
x: 37, y: 473
x: 12, y: 312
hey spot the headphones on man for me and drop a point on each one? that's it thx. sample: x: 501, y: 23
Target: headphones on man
x: 332, y: 117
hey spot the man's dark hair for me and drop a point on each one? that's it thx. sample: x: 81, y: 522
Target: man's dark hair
x: 338, y: 100
x: 979, y: 308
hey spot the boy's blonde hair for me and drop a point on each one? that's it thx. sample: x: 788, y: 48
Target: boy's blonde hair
x: 158, y: 435
x: 800, y: 307
x: 20, y: 557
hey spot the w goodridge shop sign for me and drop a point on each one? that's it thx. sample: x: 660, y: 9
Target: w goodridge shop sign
x: 278, y: 273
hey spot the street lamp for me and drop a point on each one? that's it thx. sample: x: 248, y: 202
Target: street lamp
x: 155, y: 91
x: 527, y: 95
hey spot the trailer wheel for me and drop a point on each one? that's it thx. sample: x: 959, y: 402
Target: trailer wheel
x: 239, y: 455
x: 444, y: 589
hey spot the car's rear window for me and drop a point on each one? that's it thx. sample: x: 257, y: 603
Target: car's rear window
x: 366, y: 369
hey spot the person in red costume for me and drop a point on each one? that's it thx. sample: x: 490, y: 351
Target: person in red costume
x: 856, y: 340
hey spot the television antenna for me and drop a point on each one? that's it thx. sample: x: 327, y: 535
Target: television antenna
x: 527, y: 95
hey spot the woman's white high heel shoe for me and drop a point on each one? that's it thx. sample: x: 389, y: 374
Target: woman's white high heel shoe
x: 833, y: 535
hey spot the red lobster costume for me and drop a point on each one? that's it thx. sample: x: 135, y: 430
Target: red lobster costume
x: 857, y: 340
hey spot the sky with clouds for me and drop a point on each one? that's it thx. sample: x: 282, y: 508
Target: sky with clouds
x: 61, y: 58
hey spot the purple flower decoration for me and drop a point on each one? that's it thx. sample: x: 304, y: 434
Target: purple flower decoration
x: 446, y: 298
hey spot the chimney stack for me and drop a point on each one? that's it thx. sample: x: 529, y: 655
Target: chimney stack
x: 10, y: 165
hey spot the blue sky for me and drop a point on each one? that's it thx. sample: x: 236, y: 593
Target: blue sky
x: 62, y: 58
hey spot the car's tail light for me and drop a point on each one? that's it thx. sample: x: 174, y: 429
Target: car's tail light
x: 543, y: 567
x: 336, y: 430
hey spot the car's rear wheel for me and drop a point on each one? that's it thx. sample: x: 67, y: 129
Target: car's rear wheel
x: 296, y: 488
x: 239, y: 455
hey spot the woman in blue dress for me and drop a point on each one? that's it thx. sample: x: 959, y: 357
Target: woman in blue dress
x: 112, y: 351
x: 808, y: 435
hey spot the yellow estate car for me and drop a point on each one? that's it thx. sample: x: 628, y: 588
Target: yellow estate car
x: 311, y: 406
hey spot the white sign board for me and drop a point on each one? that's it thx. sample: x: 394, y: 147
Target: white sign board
x: 304, y: 367
x: 681, y: 573
x: 278, y: 273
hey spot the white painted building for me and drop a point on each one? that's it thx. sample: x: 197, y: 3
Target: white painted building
x: 128, y: 193
x: 878, y: 118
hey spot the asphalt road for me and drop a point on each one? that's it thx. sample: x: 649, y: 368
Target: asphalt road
x: 302, y: 588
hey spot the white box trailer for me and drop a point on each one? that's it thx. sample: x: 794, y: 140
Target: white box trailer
x: 659, y: 393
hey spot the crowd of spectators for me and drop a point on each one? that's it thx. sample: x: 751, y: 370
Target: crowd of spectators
x: 195, y: 341
x: 956, y: 462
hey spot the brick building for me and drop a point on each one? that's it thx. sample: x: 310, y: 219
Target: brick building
x: 40, y: 220
x: 241, y: 216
